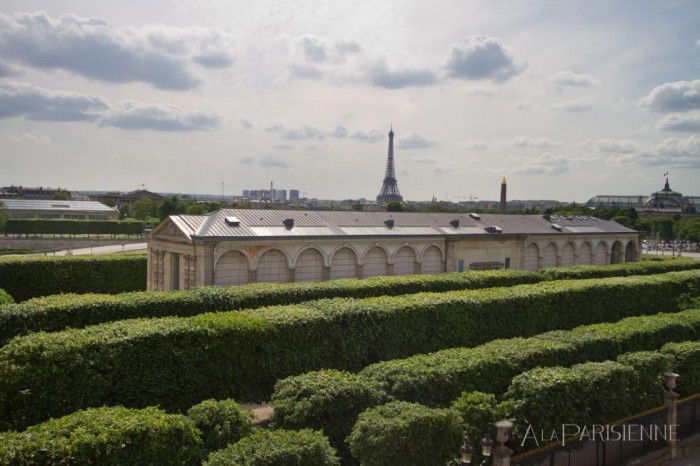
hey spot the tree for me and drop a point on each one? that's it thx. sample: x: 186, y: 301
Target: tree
x: 4, y: 217
x: 168, y: 207
x: 394, y: 207
x: 61, y: 196
x: 143, y: 209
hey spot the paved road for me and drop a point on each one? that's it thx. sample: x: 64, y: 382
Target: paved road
x: 98, y: 250
x: 690, y: 460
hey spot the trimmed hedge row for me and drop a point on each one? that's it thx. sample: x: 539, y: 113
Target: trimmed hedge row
x: 547, y: 399
x: 279, y: 448
x: 577, y: 272
x: 30, y: 276
x: 439, y: 378
x: 686, y: 361
x: 405, y: 433
x: 221, y: 422
x: 53, y: 313
x: 75, y: 227
x: 176, y: 362
x: 105, y: 436
x: 5, y: 297
x: 329, y: 400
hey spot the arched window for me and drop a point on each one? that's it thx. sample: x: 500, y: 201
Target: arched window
x: 272, y: 267
x: 600, y: 257
x: 343, y: 264
x: 616, y: 254
x: 584, y: 254
x: 375, y: 263
x: 631, y: 252
x: 531, y: 257
x: 549, y: 258
x: 567, y: 255
x: 405, y: 261
x: 432, y: 261
x: 309, y: 266
x: 231, y: 269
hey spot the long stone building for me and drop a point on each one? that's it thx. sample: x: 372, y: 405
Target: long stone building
x: 234, y: 247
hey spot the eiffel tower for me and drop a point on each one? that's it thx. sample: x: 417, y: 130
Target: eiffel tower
x: 390, y: 190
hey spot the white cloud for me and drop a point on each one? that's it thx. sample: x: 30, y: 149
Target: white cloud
x: 246, y: 123
x: 473, y: 144
x: 32, y: 137
x: 414, y: 140
x: 304, y: 71
x: 380, y: 75
x: 680, y: 122
x: 481, y: 57
x: 521, y: 141
x: 283, y: 147
x: 338, y: 132
x: 545, y: 164
x: 441, y: 169
x: 372, y: 135
x: 139, y: 116
x: 276, y: 128
x: 269, y: 161
x: 37, y: 103
x: 582, y: 104
x: 423, y: 160
x: 674, y: 152
x: 613, y: 146
x: 680, y: 96
x: 90, y: 47
x: 571, y: 79
x: 305, y: 132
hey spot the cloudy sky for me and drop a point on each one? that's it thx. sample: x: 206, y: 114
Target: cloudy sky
x: 566, y: 99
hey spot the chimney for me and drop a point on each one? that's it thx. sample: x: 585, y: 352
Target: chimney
x: 502, y: 207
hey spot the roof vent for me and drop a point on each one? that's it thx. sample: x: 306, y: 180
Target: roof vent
x: 233, y: 221
x: 389, y: 223
x: 288, y: 223
x: 493, y: 229
x: 546, y: 217
x: 556, y: 227
x: 455, y: 223
x: 475, y: 216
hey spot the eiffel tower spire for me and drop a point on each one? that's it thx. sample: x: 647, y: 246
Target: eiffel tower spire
x: 390, y: 190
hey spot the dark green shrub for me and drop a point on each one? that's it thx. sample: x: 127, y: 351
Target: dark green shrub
x: 546, y: 399
x: 75, y: 227
x: 405, y: 433
x: 329, y: 400
x: 5, y: 297
x: 105, y: 436
x: 177, y: 362
x: 26, y: 277
x: 646, y: 267
x: 686, y: 362
x: 479, y: 412
x: 52, y: 313
x: 649, y: 367
x: 221, y: 422
x: 438, y: 378
x: 277, y: 448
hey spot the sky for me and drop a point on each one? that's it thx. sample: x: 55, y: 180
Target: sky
x: 565, y: 99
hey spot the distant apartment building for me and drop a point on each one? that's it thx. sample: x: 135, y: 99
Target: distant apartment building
x: 275, y: 195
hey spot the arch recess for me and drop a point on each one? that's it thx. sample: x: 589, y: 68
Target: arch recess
x: 343, y: 264
x: 231, y: 269
x: 532, y: 253
x: 309, y: 265
x: 631, y: 252
x: 549, y: 256
x: 273, y: 266
x: 375, y: 262
x: 431, y: 260
x: 600, y: 254
x: 568, y: 255
x: 584, y: 254
x: 405, y: 261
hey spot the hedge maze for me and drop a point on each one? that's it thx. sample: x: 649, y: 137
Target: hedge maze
x: 151, y: 377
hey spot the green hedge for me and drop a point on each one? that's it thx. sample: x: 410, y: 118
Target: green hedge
x: 278, y: 448
x: 686, y: 361
x: 439, y: 378
x: 5, y: 297
x: 648, y: 366
x: 577, y: 272
x: 405, y: 433
x: 75, y: 227
x: 176, y: 362
x: 329, y: 400
x: 546, y: 399
x: 221, y: 422
x: 58, y: 312
x: 105, y: 436
x: 30, y: 276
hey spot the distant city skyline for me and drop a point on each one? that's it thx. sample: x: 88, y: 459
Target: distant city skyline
x: 567, y: 100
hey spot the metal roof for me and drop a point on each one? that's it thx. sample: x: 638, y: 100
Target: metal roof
x: 78, y: 206
x: 278, y: 224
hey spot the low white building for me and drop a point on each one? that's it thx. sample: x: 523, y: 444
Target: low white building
x: 234, y: 247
